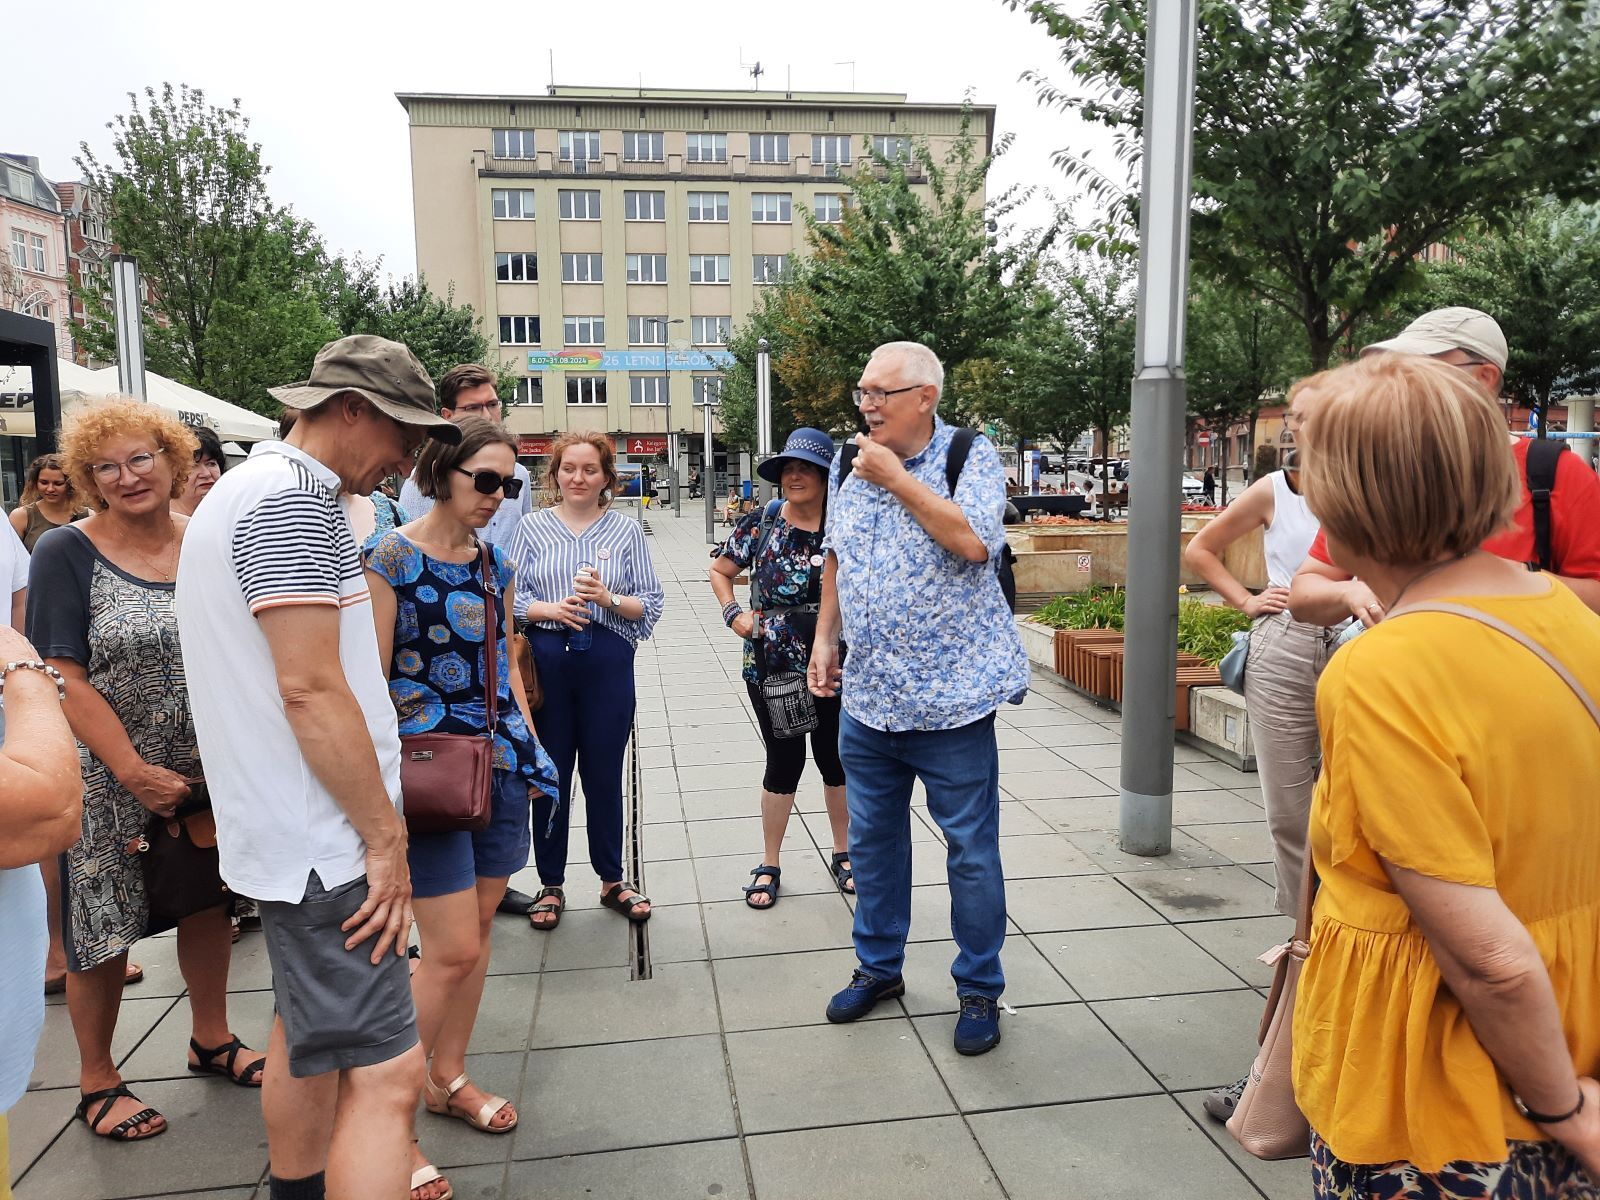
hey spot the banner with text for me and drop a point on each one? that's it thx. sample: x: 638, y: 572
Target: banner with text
x: 628, y: 360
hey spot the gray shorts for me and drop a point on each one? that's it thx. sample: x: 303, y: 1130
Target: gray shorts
x: 338, y: 1010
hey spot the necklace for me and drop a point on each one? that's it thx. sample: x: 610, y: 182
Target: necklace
x: 1419, y: 577
x: 167, y: 553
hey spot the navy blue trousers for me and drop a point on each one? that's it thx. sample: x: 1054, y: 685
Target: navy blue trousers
x: 584, y: 727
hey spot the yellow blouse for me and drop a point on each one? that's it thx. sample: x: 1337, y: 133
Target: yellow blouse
x: 1452, y: 751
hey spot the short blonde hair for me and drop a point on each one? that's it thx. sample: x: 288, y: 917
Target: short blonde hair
x: 1409, y: 460
x: 91, y: 427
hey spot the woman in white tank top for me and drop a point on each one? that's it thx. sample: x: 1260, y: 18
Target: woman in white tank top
x: 1286, y: 658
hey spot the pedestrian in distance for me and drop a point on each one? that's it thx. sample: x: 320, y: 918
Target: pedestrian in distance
x: 48, y: 500
x: 437, y: 624
x: 589, y: 595
x: 781, y: 548
x: 301, y: 747
x: 1447, y: 1027
x: 102, y: 612
x: 1208, y: 487
x: 914, y: 540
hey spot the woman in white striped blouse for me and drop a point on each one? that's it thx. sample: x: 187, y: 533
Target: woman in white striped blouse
x: 588, y: 593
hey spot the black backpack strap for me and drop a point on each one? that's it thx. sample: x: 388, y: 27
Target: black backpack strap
x: 956, y: 457
x: 1544, y: 456
x: 847, y: 460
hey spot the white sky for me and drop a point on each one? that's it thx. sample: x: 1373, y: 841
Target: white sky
x: 317, y: 79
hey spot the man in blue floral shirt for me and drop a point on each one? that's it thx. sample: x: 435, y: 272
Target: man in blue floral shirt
x: 911, y: 575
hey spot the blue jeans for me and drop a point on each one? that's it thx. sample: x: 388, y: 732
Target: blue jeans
x: 960, y: 768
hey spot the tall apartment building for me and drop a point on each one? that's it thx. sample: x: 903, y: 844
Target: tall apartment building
x: 612, y: 238
x: 33, y: 273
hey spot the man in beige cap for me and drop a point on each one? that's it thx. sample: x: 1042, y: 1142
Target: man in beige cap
x: 302, y: 755
x: 1557, y: 526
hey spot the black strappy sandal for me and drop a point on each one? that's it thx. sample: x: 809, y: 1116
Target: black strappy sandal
x: 123, y: 1131
x: 612, y: 900
x: 208, y: 1065
x: 540, y: 909
x: 764, y: 889
x: 843, y: 874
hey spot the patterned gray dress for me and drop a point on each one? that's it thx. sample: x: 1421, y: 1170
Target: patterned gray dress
x: 124, y: 630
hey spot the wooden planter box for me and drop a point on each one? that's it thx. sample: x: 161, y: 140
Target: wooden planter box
x: 1073, y: 661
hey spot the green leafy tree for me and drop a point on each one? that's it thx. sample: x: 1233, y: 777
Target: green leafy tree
x: 1099, y: 305
x: 1334, y: 142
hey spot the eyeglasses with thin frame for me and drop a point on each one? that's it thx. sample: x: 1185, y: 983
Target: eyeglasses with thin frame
x: 488, y: 483
x: 478, y: 410
x: 140, y: 464
x: 876, y: 396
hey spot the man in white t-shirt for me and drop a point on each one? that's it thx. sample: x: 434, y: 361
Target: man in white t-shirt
x: 302, y: 757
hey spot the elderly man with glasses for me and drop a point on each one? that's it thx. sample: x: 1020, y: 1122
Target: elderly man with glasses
x: 914, y: 540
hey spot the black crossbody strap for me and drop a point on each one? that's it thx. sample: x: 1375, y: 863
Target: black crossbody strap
x: 1544, y: 457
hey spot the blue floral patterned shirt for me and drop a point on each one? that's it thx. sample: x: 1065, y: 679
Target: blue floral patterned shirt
x: 933, y: 644
x: 790, y: 564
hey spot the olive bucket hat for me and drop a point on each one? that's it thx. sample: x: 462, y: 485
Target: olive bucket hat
x: 382, y: 372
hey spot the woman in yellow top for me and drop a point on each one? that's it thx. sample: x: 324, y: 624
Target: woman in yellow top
x: 1448, y: 1021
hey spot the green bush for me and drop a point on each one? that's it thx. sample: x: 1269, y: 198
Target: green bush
x: 1098, y: 608
x: 1206, y: 630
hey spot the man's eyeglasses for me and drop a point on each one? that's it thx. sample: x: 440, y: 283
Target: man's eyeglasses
x: 876, y: 396
x: 140, y: 464
x: 478, y: 410
x: 488, y: 483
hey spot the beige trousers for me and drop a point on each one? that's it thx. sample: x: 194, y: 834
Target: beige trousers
x: 1280, y: 692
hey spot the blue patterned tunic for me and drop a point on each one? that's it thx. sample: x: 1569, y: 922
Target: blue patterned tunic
x: 785, y: 574
x: 933, y: 644
x: 436, y: 677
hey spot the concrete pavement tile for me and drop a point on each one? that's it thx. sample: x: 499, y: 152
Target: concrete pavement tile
x: 1017, y: 820
x: 1187, y: 853
x: 1034, y: 758
x: 214, y: 1139
x: 677, y: 934
x: 775, y: 990
x: 1044, y: 854
x: 663, y: 843
x: 650, y: 719
x: 1085, y: 758
x: 1240, y: 943
x: 1032, y: 718
x: 1199, y: 1041
x: 55, y: 1064
x: 819, y: 922
x: 661, y: 806
x: 930, y: 989
x: 1143, y: 1146
x: 1063, y: 783
x: 804, y: 874
x: 1241, y: 841
x: 164, y: 1051
x: 686, y: 715
x: 34, y: 1121
x: 1215, y: 808
x: 740, y: 774
x: 681, y: 736
x: 587, y: 1098
x: 1224, y: 776
x: 731, y: 748
x: 716, y: 804
x: 1282, y: 1179
x: 1009, y: 737
x: 1265, y: 872
x: 667, y: 883
x: 707, y: 1169
x: 659, y: 779
x: 586, y: 938
x: 1110, y: 964
x: 933, y: 1159
x: 817, y: 1075
x: 651, y: 757
x: 1184, y: 779
x: 1075, y: 902
x: 450, y: 1143
x: 1203, y: 893
x: 740, y: 835
x: 581, y: 1008
x: 159, y: 957
x: 1078, y: 816
x: 505, y: 1013
x: 1060, y: 736
x: 1050, y: 1054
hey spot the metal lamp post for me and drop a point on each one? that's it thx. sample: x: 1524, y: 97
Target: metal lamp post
x: 130, y: 325
x: 708, y: 470
x: 1158, y: 416
x: 763, y: 414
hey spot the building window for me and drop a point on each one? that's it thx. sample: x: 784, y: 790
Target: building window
x: 647, y: 331
x: 529, y: 391
x: 516, y: 268
x: 829, y: 209
x: 769, y: 147
x: 583, y: 331
x: 709, y: 268
x: 707, y: 147
x: 39, y: 263
x: 647, y: 268
x: 643, y: 147
x: 519, y: 331
x: 586, y: 389
x: 711, y: 331
x: 513, y: 204
x: 644, y: 206
x: 708, y: 206
x: 19, y: 250
x: 579, y: 206
x: 770, y: 268
x: 891, y: 147
x: 647, y: 389
x: 830, y: 148
x: 513, y: 143
x: 581, y: 268
x: 770, y: 207
x: 579, y: 146
x: 707, y: 389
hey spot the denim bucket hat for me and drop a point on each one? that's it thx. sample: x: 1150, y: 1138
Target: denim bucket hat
x: 805, y: 445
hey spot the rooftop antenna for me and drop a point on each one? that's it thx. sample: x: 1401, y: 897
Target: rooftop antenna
x: 756, y: 70
x: 552, y: 71
x: 851, y: 63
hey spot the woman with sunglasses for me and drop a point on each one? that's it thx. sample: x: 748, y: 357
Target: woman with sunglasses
x: 434, y: 627
x: 1286, y: 658
x: 101, y: 611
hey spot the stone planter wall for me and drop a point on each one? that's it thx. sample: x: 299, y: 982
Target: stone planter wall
x: 1108, y: 544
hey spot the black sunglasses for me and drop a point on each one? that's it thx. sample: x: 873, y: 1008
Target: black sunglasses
x: 489, y: 483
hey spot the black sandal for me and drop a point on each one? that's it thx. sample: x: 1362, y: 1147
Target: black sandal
x: 843, y: 874
x: 764, y: 889
x: 625, y: 907
x: 251, y: 1077
x: 540, y: 909
x: 123, y: 1131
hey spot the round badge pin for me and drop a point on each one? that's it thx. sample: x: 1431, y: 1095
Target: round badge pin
x: 816, y: 560
x: 603, y: 555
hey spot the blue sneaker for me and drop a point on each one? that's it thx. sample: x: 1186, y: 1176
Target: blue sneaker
x: 863, y: 992
x: 978, y: 1029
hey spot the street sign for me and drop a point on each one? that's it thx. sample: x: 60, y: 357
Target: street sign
x: 648, y: 444
x: 1202, y: 439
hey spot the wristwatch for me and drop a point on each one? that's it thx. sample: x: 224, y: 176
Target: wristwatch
x: 34, y: 664
x: 616, y: 601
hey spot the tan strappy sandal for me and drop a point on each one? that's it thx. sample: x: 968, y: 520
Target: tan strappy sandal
x: 438, y: 1101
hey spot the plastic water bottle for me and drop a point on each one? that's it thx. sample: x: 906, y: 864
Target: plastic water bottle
x: 581, y: 639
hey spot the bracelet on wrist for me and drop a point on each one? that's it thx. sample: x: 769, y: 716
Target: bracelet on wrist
x: 35, y: 664
x: 730, y: 613
x: 1543, y: 1118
